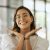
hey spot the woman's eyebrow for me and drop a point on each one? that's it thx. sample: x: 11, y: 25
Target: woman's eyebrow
x: 24, y: 13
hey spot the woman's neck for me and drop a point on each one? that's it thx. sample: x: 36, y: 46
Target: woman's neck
x: 25, y: 30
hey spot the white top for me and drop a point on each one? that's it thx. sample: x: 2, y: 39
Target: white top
x: 10, y: 43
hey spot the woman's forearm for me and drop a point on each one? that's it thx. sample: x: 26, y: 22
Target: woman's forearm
x: 20, y: 44
x: 28, y: 45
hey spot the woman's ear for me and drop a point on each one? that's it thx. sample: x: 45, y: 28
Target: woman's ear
x: 31, y: 18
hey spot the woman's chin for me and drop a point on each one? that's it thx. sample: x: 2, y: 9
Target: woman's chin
x: 23, y: 27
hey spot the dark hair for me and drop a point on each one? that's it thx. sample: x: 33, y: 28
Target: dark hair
x: 16, y: 28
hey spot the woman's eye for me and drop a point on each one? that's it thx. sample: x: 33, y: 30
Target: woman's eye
x: 18, y: 16
x: 25, y: 15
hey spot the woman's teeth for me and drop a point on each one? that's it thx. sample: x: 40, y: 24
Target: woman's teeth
x: 23, y: 23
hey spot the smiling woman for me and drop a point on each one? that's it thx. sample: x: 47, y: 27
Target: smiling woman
x: 23, y: 20
x: 24, y: 35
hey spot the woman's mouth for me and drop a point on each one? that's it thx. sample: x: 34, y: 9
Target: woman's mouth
x: 23, y: 23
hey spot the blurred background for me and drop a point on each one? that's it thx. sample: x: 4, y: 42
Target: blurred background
x: 39, y: 8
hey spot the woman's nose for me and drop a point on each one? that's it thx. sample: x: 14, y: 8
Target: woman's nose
x: 22, y: 18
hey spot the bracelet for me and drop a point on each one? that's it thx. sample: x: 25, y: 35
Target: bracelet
x: 26, y: 38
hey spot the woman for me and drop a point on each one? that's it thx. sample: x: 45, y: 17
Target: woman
x: 22, y: 37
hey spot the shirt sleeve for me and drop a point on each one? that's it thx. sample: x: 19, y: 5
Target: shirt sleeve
x: 42, y: 44
x: 6, y: 43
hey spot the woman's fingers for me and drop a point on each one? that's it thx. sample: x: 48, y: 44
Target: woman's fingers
x: 11, y: 31
x: 32, y: 32
x: 19, y: 35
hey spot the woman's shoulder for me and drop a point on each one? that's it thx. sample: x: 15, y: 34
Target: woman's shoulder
x: 39, y: 43
x: 43, y: 43
x: 8, y: 42
x: 8, y: 37
x: 42, y: 40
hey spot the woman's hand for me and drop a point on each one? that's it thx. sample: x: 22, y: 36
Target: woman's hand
x: 19, y: 35
x: 10, y: 31
x: 31, y: 33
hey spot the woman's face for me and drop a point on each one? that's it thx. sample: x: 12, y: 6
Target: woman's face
x: 23, y: 19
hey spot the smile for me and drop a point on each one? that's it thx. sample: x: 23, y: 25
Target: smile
x: 23, y: 23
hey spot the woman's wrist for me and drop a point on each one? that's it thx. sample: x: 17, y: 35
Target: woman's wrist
x: 26, y: 38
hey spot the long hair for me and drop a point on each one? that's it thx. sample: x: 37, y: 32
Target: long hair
x: 16, y: 28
